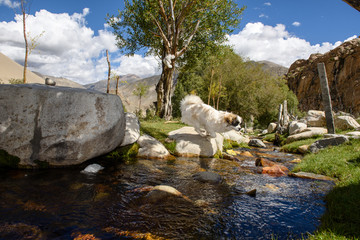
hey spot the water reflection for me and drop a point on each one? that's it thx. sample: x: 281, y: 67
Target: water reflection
x: 62, y: 203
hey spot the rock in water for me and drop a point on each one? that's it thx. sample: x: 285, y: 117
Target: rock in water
x: 58, y: 125
x: 92, y: 168
x: 257, y: 143
x: 208, y: 177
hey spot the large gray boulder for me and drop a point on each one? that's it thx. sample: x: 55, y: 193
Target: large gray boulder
x: 190, y: 143
x: 58, y: 125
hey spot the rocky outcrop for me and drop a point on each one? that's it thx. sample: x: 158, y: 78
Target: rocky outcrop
x: 58, y: 125
x: 342, y: 67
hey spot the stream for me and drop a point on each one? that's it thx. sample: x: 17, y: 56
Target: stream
x: 66, y: 204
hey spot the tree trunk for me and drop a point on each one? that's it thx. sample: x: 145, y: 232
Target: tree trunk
x: 117, y: 84
x: 109, y: 72
x: 26, y: 44
x: 218, y: 98
x: 211, y: 80
x: 164, y: 92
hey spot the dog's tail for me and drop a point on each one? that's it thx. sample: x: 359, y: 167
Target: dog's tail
x: 189, y: 100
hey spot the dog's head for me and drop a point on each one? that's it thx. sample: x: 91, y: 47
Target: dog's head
x: 233, y: 121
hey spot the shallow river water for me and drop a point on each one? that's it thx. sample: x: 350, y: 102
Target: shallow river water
x: 67, y: 204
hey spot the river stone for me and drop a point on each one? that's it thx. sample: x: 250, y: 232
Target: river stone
x: 315, y: 118
x: 190, y: 143
x: 235, y: 136
x: 161, y: 192
x: 355, y: 134
x: 311, y: 176
x: 308, y: 133
x: 296, y: 127
x: 256, y: 143
x: 151, y: 148
x: 323, y: 143
x: 58, y: 125
x: 132, y: 129
x: 92, y: 168
x: 208, y: 177
x: 346, y: 122
x: 271, y: 128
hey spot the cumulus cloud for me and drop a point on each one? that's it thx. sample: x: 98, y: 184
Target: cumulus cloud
x: 66, y: 47
x: 296, y: 24
x: 9, y: 3
x: 261, y: 42
x: 267, y: 4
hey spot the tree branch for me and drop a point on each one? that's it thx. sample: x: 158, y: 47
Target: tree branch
x: 163, y: 36
x: 182, y: 51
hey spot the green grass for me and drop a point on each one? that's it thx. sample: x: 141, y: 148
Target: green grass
x: 342, y: 217
x: 294, y: 146
x: 160, y: 129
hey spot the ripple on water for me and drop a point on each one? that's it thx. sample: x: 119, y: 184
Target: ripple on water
x: 61, y: 202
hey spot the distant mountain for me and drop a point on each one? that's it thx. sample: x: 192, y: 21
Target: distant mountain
x: 102, y: 85
x: 270, y: 67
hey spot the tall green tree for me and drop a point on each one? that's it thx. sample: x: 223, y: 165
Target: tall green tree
x: 169, y: 29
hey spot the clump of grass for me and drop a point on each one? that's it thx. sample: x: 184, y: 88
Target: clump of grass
x: 294, y: 146
x: 125, y: 154
x: 7, y: 160
x: 159, y: 128
x: 342, y: 217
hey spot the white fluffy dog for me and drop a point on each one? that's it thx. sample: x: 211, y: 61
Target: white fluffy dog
x: 206, y: 120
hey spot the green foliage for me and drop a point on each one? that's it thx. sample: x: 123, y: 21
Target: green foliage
x: 16, y: 81
x: 246, y: 89
x: 138, y: 25
x: 125, y: 154
x: 229, y: 144
x: 7, y: 160
x: 342, y: 217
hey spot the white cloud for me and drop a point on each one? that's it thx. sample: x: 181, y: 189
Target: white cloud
x: 68, y: 48
x: 267, y: 4
x: 261, y: 42
x: 296, y: 24
x: 263, y: 16
x: 9, y: 3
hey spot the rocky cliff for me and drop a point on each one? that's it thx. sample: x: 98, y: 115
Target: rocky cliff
x: 343, y: 72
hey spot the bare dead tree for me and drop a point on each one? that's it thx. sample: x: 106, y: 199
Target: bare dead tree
x: 109, y: 72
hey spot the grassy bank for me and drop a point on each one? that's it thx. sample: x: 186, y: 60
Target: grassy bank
x: 342, y: 217
x: 160, y: 129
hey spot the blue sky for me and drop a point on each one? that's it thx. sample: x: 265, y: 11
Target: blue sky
x: 74, y: 37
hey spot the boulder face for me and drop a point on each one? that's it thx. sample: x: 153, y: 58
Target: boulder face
x: 343, y: 73
x: 58, y: 125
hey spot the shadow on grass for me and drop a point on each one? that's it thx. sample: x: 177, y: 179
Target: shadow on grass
x: 342, y: 216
